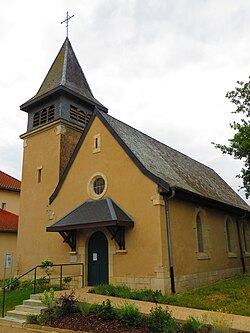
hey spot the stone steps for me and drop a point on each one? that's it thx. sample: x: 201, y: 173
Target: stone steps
x: 30, y: 306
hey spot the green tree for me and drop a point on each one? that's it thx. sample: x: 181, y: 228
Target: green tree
x: 239, y: 145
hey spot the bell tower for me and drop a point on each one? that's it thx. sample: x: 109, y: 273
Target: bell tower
x: 64, y: 98
x: 57, y: 116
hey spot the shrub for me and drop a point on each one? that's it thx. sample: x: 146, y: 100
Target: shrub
x: 67, y: 281
x: 172, y: 327
x: 147, y: 295
x: 126, y: 292
x: 130, y: 315
x: 221, y: 325
x: 68, y: 303
x: 43, y: 318
x: 161, y: 319
x: 49, y: 315
x: 26, y: 284
x: 106, y: 311
x: 193, y: 325
x: 56, y: 312
x: 84, y: 308
x: 47, y: 267
x: 14, y: 285
x: 48, y: 299
x: 31, y: 318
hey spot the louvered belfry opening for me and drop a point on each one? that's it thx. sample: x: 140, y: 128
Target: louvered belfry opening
x: 44, y: 116
x: 79, y: 115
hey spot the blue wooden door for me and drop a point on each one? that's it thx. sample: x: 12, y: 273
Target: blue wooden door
x: 97, y: 259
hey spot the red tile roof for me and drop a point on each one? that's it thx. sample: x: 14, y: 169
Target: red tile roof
x: 8, y: 221
x: 9, y: 183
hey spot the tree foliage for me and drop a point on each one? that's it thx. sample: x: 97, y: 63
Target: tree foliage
x: 239, y: 145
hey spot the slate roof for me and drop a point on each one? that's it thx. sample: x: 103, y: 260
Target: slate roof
x: 66, y: 72
x: 93, y: 213
x: 8, y: 221
x: 9, y: 183
x: 165, y: 166
x: 175, y: 168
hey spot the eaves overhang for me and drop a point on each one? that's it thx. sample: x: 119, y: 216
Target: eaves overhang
x: 93, y: 214
x: 27, y: 106
x: 9, y: 189
x: 94, y: 225
x: 209, y: 202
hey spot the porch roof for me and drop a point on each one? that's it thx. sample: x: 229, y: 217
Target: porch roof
x: 93, y: 214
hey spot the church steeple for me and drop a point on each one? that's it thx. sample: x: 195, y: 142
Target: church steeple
x: 66, y: 72
x: 63, y: 88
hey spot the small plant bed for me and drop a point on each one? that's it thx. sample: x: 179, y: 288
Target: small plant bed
x: 229, y: 296
x: 67, y: 312
x: 94, y: 324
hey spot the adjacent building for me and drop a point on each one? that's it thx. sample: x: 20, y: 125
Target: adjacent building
x: 9, y: 210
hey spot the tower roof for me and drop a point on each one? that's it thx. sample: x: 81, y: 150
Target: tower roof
x: 66, y: 72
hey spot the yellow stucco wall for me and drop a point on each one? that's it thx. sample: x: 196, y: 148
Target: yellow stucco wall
x: 12, y: 200
x: 130, y: 189
x: 41, y: 152
x: 192, y: 268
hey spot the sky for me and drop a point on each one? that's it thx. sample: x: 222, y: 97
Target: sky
x: 161, y: 66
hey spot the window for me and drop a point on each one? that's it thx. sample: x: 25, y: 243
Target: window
x: 3, y: 205
x: 201, y: 228
x: 97, y: 143
x: 44, y: 116
x: 229, y: 235
x: 36, y: 119
x: 39, y: 174
x: 199, y: 234
x: 79, y: 115
x: 246, y: 236
x: 97, y: 186
x: 230, y: 230
x: 51, y: 113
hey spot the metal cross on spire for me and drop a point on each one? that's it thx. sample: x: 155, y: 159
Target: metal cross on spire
x: 67, y: 22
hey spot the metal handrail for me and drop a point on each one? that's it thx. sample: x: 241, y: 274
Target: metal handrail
x: 35, y: 278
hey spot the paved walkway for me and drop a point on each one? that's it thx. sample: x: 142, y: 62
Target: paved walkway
x: 236, y: 322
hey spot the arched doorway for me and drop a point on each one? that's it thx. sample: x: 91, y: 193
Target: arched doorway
x: 97, y: 259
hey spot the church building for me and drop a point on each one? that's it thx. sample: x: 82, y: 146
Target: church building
x: 133, y: 210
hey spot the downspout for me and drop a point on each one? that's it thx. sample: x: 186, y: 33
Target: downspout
x: 242, y: 254
x: 170, y: 250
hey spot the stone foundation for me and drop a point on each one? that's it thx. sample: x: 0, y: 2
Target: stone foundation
x: 186, y: 282
x: 161, y: 280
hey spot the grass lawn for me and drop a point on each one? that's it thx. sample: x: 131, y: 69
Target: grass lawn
x: 230, y: 296
x: 14, y: 297
x: 17, y: 296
